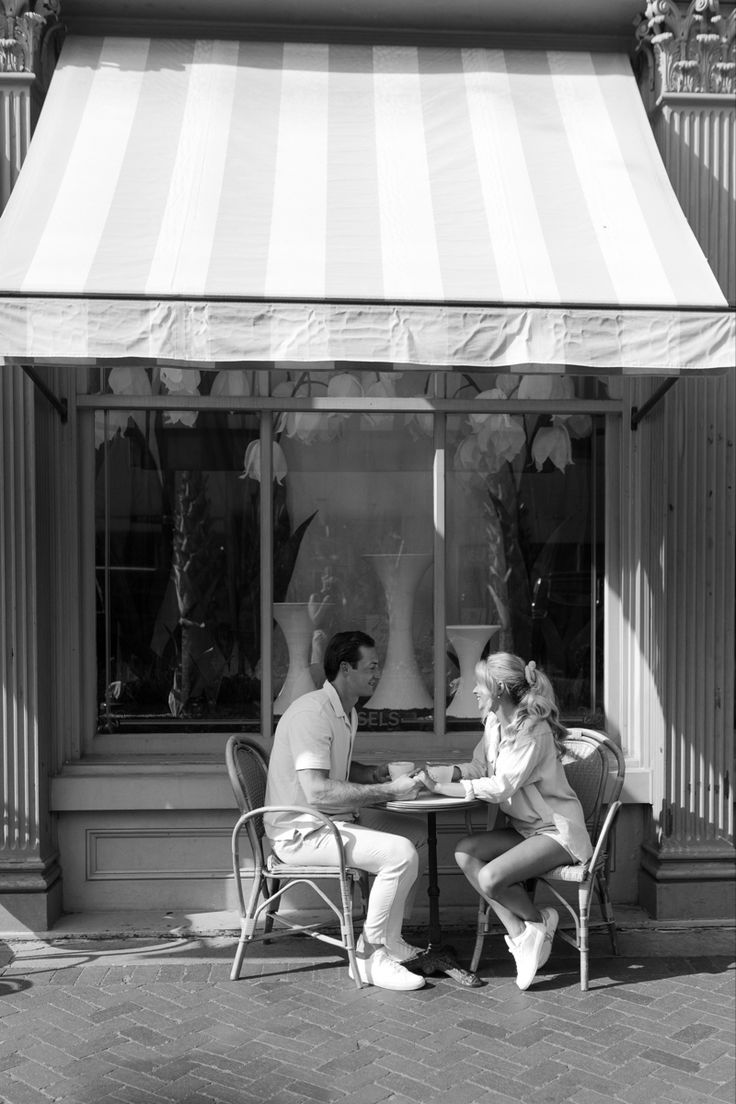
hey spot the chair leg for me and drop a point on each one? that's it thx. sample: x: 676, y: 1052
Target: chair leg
x: 247, y: 925
x: 584, y: 910
x: 481, y: 932
x: 347, y: 930
x: 601, y: 885
x: 239, y: 955
x: 272, y: 887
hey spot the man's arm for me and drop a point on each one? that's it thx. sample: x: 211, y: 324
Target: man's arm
x: 327, y: 793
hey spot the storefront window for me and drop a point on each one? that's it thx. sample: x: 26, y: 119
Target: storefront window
x: 178, y: 540
x: 362, y: 483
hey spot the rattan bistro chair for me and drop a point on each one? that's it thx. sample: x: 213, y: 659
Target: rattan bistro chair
x: 247, y: 767
x: 595, y: 768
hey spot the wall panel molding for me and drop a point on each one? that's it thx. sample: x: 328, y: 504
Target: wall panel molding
x: 132, y: 854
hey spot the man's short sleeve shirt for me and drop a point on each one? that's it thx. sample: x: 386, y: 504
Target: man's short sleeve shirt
x: 314, y: 733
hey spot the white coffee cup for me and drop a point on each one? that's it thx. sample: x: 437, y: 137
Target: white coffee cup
x: 440, y: 772
x: 397, y: 769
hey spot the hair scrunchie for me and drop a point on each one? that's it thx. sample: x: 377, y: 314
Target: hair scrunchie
x: 530, y: 672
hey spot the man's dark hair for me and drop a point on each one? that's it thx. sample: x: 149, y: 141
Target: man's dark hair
x: 344, y: 647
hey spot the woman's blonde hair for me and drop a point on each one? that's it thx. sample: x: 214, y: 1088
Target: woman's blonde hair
x: 528, y: 688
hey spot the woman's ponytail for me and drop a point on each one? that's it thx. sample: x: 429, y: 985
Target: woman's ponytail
x: 528, y: 687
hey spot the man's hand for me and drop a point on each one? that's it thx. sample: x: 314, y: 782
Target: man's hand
x: 405, y: 787
x: 426, y: 781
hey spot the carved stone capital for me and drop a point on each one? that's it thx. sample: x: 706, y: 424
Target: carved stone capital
x: 24, y: 25
x: 691, y: 47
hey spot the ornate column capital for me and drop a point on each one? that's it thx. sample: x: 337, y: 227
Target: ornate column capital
x: 24, y: 25
x: 692, y: 47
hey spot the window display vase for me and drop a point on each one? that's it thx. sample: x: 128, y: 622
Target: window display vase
x: 468, y: 642
x: 295, y: 623
x: 401, y: 685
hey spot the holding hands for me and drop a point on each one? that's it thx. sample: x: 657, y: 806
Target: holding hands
x: 425, y: 779
x: 405, y: 786
x: 407, y: 781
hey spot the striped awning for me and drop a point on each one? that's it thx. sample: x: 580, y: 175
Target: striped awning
x: 218, y: 201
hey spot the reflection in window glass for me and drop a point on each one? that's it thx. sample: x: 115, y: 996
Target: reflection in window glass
x: 524, y: 552
x: 363, y: 487
x: 178, y: 560
x: 178, y: 501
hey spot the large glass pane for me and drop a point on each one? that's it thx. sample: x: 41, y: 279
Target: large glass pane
x: 361, y: 486
x: 178, y: 522
x: 525, y: 553
x: 177, y: 571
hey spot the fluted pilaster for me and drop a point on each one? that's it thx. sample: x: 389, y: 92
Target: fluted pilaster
x: 29, y: 871
x: 30, y: 886
x: 688, y: 83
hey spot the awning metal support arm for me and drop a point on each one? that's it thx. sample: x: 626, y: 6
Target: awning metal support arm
x: 58, y: 404
x: 640, y: 412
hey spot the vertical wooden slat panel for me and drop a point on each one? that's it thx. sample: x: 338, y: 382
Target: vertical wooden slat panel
x: 20, y: 826
x: 696, y: 427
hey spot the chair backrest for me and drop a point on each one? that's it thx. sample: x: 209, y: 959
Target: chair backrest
x: 595, y: 768
x: 247, y: 768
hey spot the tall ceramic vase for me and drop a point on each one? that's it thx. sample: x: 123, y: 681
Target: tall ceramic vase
x: 295, y: 623
x: 468, y: 642
x: 401, y: 685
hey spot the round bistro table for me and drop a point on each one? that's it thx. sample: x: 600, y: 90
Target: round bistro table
x: 430, y: 805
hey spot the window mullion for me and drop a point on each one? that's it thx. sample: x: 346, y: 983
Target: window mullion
x: 440, y: 614
x: 266, y: 573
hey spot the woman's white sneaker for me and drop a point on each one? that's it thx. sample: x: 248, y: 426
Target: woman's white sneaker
x: 527, y: 951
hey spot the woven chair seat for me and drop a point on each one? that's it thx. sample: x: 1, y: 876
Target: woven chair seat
x: 577, y: 872
x: 293, y: 870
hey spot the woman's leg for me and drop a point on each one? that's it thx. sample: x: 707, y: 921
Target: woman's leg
x: 495, y: 863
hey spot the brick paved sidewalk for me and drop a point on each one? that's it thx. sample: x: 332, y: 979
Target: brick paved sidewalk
x: 148, y: 1020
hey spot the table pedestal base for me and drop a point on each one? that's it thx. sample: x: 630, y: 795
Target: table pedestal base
x: 441, y: 960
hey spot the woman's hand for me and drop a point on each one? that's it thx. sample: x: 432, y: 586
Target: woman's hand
x: 406, y: 787
x: 426, y: 780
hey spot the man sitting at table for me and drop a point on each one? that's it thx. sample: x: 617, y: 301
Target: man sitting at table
x: 311, y: 764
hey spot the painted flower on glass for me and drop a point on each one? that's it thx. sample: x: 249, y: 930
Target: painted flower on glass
x: 233, y: 383
x: 180, y: 381
x: 552, y: 443
x: 499, y: 437
x: 124, y: 379
x: 311, y: 425
x: 252, y: 462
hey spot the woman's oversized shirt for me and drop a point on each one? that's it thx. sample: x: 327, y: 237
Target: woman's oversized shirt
x: 523, y: 775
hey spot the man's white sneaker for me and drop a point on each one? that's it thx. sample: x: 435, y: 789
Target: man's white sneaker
x: 550, y: 919
x: 527, y: 951
x: 402, y: 951
x: 380, y: 969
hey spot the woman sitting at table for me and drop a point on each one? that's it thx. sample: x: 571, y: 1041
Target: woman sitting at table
x: 517, y: 767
